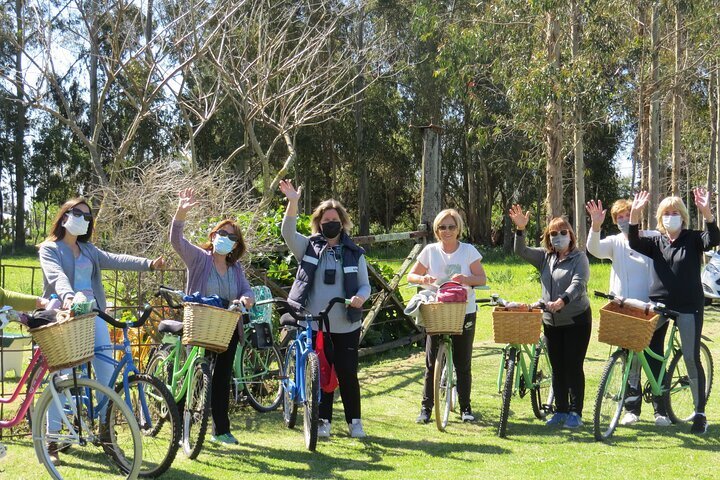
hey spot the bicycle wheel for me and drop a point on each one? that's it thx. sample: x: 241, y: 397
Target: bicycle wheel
x: 159, y: 421
x: 312, y: 401
x: 442, y: 386
x: 260, y: 373
x: 197, y: 409
x: 110, y: 450
x: 541, y: 393
x: 289, y: 405
x: 507, y: 391
x: 610, y: 396
x: 677, y: 393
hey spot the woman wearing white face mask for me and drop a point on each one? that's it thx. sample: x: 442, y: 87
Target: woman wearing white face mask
x: 629, y: 278
x: 71, y: 264
x: 676, y: 257
x: 564, y: 273
x: 213, y: 269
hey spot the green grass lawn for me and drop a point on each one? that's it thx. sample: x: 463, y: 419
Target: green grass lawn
x: 397, y: 448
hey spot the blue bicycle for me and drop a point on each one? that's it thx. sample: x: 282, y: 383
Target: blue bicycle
x: 301, y: 384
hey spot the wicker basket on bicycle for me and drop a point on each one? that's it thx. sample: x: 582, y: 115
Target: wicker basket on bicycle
x: 626, y: 326
x: 443, y: 317
x: 68, y: 342
x: 517, y: 325
x: 208, y: 327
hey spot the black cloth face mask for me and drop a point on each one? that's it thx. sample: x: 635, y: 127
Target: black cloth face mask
x: 330, y: 229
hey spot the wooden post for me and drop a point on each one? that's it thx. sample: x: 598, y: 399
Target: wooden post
x: 431, y: 183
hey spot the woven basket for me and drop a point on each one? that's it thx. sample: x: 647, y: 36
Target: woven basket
x: 67, y: 342
x: 443, y: 318
x: 208, y: 327
x: 516, y: 325
x: 626, y: 327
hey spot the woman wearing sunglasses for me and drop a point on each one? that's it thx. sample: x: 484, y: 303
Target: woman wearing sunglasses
x: 213, y: 269
x: 446, y: 260
x: 676, y: 257
x: 330, y: 265
x: 71, y: 264
x: 564, y: 274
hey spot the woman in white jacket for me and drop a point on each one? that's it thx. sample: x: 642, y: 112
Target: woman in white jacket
x: 629, y: 278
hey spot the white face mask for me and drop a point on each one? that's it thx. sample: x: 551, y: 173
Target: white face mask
x: 672, y: 223
x: 222, y: 245
x: 77, y: 226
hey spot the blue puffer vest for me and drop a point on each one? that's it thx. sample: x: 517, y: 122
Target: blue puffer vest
x: 308, y: 267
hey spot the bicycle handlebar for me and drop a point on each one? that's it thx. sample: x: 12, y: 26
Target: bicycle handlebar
x: 141, y: 318
x: 298, y: 316
x: 655, y: 307
x: 167, y: 293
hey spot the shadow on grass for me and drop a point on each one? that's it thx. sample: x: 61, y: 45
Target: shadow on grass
x: 642, y: 436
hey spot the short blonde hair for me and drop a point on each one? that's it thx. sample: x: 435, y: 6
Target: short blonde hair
x: 619, y: 207
x: 330, y: 204
x: 448, y: 212
x: 557, y: 224
x: 677, y: 204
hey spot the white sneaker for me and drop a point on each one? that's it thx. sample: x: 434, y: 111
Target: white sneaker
x: 356, y: 429
x: 324, y: 428
x: 629, y: 419
x: 662, y: 421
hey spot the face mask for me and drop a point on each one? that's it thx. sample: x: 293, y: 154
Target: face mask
x: 330, y: 229
x: 624, y: 226
x: 222, y: 245
x: 672, y: 223
x: 560, y: 242
x: 77, y: 226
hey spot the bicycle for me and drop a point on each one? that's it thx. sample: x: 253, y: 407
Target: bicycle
x: 186, y: 373
x: 535, y: 372
x: 85, y: 441
x: 671, y: 384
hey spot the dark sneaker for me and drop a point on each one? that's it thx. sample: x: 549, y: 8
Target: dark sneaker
x: 573, y: 420
x: 700, y: 425
x: 53, y: 449
x: 424, y: 416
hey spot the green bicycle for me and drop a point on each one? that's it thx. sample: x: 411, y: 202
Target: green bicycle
x: 672, y: 383
x: 187, y: 373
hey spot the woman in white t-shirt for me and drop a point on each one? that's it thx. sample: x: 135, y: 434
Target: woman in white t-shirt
x: 450, y: 260
x: 630, y: 277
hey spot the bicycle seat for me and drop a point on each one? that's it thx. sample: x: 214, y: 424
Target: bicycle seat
x: 171, y: 326
x: 288, y: 321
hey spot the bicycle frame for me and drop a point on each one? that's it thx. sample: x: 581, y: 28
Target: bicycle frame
x: 303, y: 346
x: 181, y: 371
x: 37, y: 358
x: 526, y: 367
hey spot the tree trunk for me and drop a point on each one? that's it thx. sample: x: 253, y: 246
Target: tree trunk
x: 712, y: 105
x: 578, y: 139
x: 94, y: 114
x: 20, y: 123
x: 361, y: 163
x: 473, y: 202
x: 431, y: 199
x: 717, y: 133
x: 654, y: 157
x: 553, y: 142
x: 677, y: 103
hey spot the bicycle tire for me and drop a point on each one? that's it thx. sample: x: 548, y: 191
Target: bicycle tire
x: 289, y: 405
x: 507, y: 390
x: 541, y: 393
x: 161, y: 436
x: 677, y: 394
x: 311, y: 412
x: 264, y: 392
x: 197, y: 409
x: 94, y: 445
x: 442, y: 387
x: 610, y: 398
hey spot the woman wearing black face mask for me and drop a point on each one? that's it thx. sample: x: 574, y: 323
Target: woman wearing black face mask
x: 564, y: 274
x: 330, y: 265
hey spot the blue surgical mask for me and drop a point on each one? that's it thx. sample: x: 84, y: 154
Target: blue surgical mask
x: 624, y: 225
x: 223, y: 245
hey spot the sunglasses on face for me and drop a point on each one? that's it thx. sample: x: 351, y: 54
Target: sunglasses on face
x: 561, y: 232
x: 231, y: 236
x: 442, y: 228
x: 76, y: 212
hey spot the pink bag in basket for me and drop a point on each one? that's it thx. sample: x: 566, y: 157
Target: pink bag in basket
x: 451, y: 292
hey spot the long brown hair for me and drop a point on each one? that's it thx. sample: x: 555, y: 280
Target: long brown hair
x: 239, y: 248
x: 57, y: 232
x: 557, y: 224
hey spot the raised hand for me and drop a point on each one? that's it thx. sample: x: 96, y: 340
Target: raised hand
x: 596, y: 212
x: 519, y: 219
x: 702, y: 202
x: 639, y: 202
x: 286, y: 187
x: 186, y: 202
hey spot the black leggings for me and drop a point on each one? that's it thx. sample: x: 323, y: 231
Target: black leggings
x: 462, y: 346
x: 220, y: 393
x: 342, y: 352
x: 567, y: 346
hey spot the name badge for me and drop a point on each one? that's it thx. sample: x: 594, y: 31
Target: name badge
x: 350, y: 269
